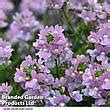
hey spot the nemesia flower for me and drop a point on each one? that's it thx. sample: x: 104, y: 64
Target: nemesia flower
x: 106, y: 6
x: 61, y: 100
x: 47, y: 79
x: 98, y: 11
x: 27, y: 62
x: 100, y: 102
x: 5, y: 51
x: 77, y: 96
x: 101, y: 37
x: 108, y: 1
x: 55, y: 3
x: 33, y: 84
x: 23, y: 27
x: 59, y: 82
x: 47, y: 61
x: 33, y: 75
x: 56, y: 99
x: 78, y: 4
x: 52, y: 43
x: 3, y: 18
x: 38, y: 6
x: 105, y: 79
x: 4, y: 88
x: 92, y: 2
x: 50, y: 63
x: 55, y: 75
x: 89, y: 76
x: 96, y: 85
x: 88, y: 16
x: 78, y: 60
x: 20, y: 76
x: 6, y: 5
x: 72, y: 76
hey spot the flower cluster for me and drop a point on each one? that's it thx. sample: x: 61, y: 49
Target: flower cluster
x: 38, y: 6
x: 77, y: 4
x: 74, y: 4
x: 55, y: 3
x: 5, y: 51
x: 5, y: 6
x: 96, y: 86
x: 23, y: 27
x: 101, y: 38
x: 5, y: 90
x: 82, y: 75
x: 67, y: 62
x: 36, y: 79
x: 96, y: 11
x: 52, y: 44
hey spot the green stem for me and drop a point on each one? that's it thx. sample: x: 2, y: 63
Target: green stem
x: 57, y: 71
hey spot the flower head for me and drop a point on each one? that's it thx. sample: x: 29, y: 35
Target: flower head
x: 23, y: 27
x: 38, y: 6
x: 4, y: 88
x: 5, y: 51
x: 55, y: 3
x: 52, y: 44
